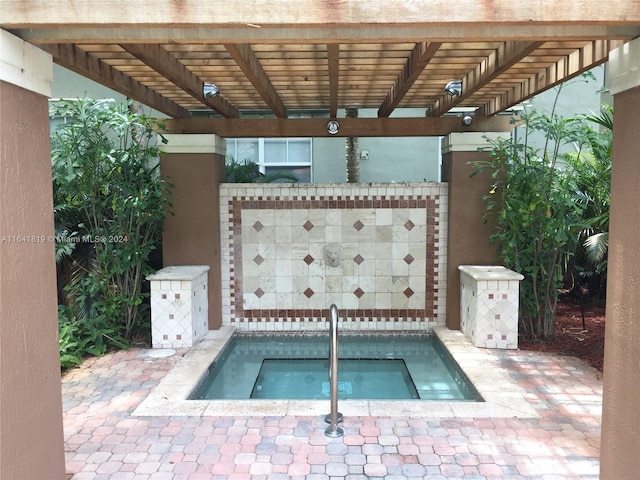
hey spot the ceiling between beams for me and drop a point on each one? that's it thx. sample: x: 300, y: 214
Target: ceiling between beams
x: 281, y: 78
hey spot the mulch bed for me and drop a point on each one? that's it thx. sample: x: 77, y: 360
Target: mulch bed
x: 570, y: 338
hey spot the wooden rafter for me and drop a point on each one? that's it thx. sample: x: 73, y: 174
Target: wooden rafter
x: 250, y: 65
x: 496, y: 63
x: 81, y: 62
x: 349, y: 127
x: 168, y: 66
x: 582, y: 59
x: 419, y: 58
x: 333, y: 63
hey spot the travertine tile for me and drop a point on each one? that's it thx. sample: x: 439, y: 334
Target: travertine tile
x: 381, y: 239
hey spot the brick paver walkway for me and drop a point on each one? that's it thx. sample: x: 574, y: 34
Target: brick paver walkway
x: 103, y: 442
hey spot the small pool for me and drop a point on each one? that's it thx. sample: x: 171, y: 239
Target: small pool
x: 381, y: 367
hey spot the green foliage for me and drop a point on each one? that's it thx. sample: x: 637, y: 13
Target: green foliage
x: 249, y: 172
x: 109, y: 207
x: 591, y: 165
x: 79, y: 338
x: 537, y: 216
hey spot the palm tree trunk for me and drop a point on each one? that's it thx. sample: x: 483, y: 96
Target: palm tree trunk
x: 352, y: 153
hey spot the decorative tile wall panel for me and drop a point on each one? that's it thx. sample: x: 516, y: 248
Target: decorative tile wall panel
x: 377, y: 251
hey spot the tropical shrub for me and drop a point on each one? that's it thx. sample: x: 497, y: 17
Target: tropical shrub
x: 81, y: 337
x: 109, y: 207
x: 536, y: 212
x: 591, y: 165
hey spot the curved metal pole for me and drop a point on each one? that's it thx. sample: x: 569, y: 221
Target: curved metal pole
x: 333, y: 430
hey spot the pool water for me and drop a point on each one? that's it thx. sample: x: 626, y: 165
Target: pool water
x: 369, y: 368
x: 370, y: 378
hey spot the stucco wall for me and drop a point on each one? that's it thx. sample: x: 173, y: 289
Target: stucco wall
x: 390, y: 159
x: 192, y: 233
x: 621, y: 402
x: 31, y: 439
x: 581, y: 94
x: 68, y: 84
x: 468, y: 233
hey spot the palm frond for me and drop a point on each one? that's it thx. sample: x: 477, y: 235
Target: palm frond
x: 604, y: 118
x: 596, y: 247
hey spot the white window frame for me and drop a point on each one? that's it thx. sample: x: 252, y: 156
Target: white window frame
x: 262, y: 165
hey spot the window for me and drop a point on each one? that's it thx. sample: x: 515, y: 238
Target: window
x: 275, y: 154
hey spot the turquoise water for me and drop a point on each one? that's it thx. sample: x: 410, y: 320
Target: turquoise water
x: 296, y: 378
x: 369, y: 368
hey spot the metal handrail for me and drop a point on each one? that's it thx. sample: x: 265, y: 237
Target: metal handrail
x: 334, y: 416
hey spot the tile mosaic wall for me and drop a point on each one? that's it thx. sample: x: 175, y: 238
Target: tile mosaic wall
x: 377, y: 251
x: 489, y: 299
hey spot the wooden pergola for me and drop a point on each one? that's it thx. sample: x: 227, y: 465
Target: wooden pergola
x: 273, y: 59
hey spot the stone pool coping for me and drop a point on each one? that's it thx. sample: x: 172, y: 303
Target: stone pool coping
x: 503, y: 397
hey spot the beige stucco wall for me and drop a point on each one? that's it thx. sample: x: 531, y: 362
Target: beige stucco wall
x: 620, y: 443
x: 194, y: 164
x: 31, y: 439
x: 468, y: 233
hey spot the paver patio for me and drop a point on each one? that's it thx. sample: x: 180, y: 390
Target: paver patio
x: 104, y: 442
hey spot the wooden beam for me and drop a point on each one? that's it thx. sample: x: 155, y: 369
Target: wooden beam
x: 169, y: 67
x: 418, y: 60
x: 333, y: 64
x: 581, y: 60
x: 349, y: 127
x: 250, y: 65
x: 312, y: 13
x: 496, y: 63
x: 81, y: 62
x: 102, y: 33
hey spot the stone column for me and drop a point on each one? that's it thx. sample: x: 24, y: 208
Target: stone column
x: 194, y: 164
x: 31, y: 436
x: 467, y: 242
x: 620, y: 410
